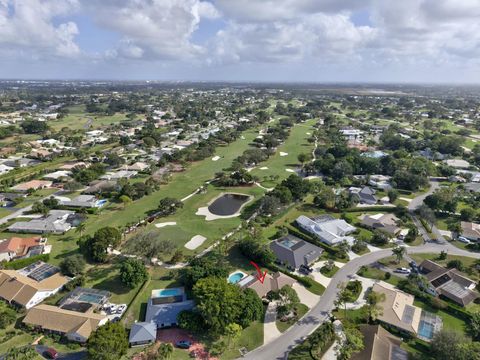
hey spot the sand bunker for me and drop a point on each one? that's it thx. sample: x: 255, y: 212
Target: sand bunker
x: 290, y: 170
x: 215, y: 158
x: 195, y: 242
x: 283, y: 153
x: 264, y: 168
x: 168, y: 223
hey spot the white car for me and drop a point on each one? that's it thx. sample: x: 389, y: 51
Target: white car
x: 463, y: 240
x: 402, y: 270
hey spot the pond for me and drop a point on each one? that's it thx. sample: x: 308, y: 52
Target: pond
x: 228, y: 204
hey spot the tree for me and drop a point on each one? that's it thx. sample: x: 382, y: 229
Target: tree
x: 302, y: 157
x: 73, y: 265
x: 34, y: 126
x: 95, y: 247
x: 168, y: 206
x: 444, y: 343
x: 353, y: 342
x: 108, y: 342
x: 165, y: 351
x: 289, y: 300
x: 467, y: 214
x: 80, y: 228
x: 343, y: 297
x: 254, y: 250
x: 211, y: 265
x: 24, y: 353
x: 392, y: 195
x: 373, y: 307
x: 219, y: 303
x: 379, y: 238
x: 399, y: 252
x: 133, y: 272
x: 125, y: 200
x: 7, y: 317
x: 474, y: 325
x: 457, y: 264
x: 252, y: 309
x: 232, y: 331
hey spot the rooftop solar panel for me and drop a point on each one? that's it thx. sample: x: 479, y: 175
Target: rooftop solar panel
x: 43, y: 272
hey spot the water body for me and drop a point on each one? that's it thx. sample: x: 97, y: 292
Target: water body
x: 227, y: 204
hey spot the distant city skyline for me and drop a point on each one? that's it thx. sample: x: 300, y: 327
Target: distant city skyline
x: 378, y: 41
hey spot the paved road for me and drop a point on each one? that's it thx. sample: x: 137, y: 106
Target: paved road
x: 79, y: 355
x: 279, y: 348
x: 24, y: 210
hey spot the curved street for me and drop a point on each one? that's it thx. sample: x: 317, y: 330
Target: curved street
x: 282, y: 345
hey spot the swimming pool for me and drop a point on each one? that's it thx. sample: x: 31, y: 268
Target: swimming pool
x: 235, y: 277
x: 91, y: 298
x: 167, y: 292
x: 425, y: 330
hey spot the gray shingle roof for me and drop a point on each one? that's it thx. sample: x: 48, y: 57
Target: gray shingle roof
x: 142, y: 332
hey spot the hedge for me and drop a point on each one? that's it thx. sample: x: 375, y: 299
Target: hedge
x: 21, y: 263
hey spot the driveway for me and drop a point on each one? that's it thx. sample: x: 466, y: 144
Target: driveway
x: 79, y: 355
x: 281, y: 346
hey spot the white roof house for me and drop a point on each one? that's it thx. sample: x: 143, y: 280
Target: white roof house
x: 328, y: 230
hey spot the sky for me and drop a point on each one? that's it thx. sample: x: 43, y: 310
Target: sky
x: 406, y: 41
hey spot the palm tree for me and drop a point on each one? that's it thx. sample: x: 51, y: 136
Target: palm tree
x: 344, y: 296
x: 80, y: 228
x: 165, y: 351
x: 374, y: 309
x: 399, y: 252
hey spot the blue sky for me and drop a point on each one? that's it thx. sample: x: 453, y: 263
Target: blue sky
x: 242, y: 40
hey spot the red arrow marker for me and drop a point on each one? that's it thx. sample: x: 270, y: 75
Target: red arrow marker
x: 260, y: 276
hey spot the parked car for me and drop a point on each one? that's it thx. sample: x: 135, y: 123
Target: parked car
x: 414, y: 266
x: 50, y: 353
x: 463, y: 240
x: 402, y: 270
x: 121, y: 308
x: 183, y: 344
x: 305, y: 269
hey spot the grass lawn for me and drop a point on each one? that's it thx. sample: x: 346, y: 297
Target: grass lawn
x: 373, y: 273
x: 357, y: 316
x: 329, y: 273
x: 250, y: 338
x: 294, y: 145
x: 301, y: 310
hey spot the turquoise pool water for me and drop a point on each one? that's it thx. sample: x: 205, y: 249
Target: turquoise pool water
x: 91, y: 298
x: 167, y: 292
x: 425, y: 329
x: 235, y: 277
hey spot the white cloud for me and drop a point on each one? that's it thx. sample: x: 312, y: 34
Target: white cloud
x: 154, y: 29
x: 27, y: 26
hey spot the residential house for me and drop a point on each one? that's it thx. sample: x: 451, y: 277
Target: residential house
x: 74, y: 164
x: 385, y: 222
x: 365, y: 195
x: 120, y: 174
x: 138, y: 166
x: 59, y: 175
x: 470, y: 230
x: 457, y: 163
x: 32, y: 185
x: 400, y: 313
x: 379, y: 344
x: 5, y: 169
x: 56, y: 222
x: 449, y: 283
x: 41, y: 154
x: 74, y: 325
x: 142, y: 333
x: 293, y: 252
x: 101, y: 186
x: 82, y: 201
x: 29, y: 286
x: 17, y: 247
x: 21, y: 162
x: 380, y: 182
x: 164, y: 306
x: 327, y: 229
x: 271, y: 282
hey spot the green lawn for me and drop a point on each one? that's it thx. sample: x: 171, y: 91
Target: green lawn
x: 329, y: 273
x: 378, y: 274
x: 250, y: 338
x: 301, y: 310
x: 294, y: 145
